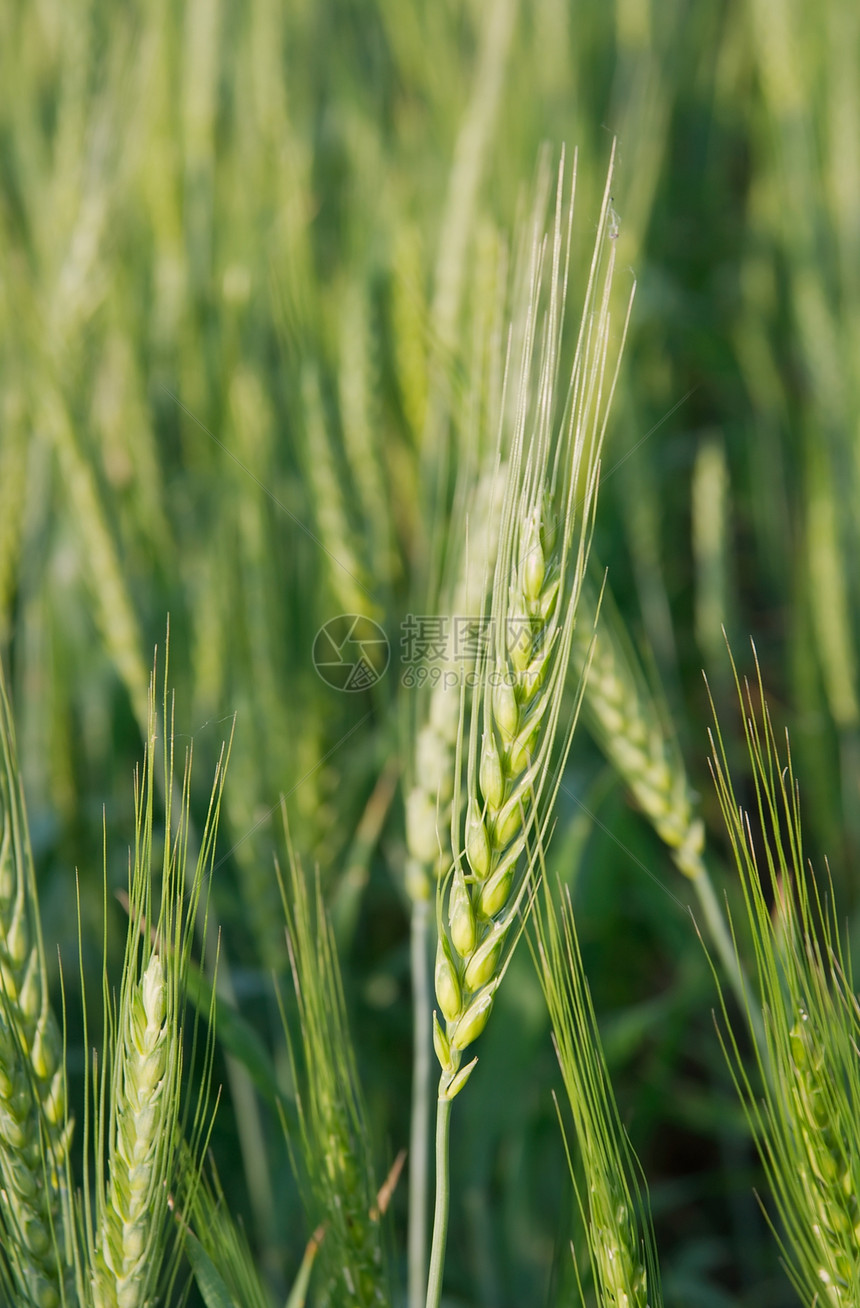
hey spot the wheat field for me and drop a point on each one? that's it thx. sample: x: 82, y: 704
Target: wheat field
x: 402, y: 406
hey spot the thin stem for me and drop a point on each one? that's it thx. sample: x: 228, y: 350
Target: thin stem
x: 719, y: 931
x: 420, y: 1126
x: 440, y: 1216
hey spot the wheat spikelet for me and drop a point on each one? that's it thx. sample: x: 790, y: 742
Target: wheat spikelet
x: 34, y: 1130
x: 618, y: 1266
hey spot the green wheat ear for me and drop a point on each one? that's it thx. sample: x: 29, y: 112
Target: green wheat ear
x: 805, y: 1115
x: 218, y: 1248
x: 612, y: 1203
x: 625, y: 718
x: 35, y: 1216
x: 507, y: 752
x: 546, y: 521
x: 144, y: 1129
x: 335, y: 1169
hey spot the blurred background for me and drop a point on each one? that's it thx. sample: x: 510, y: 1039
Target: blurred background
x: 247, y: 257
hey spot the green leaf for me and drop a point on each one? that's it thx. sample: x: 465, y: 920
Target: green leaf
x: 209, y: 1282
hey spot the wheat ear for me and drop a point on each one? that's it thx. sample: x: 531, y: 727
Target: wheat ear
x: 518, y: 712
x: 627, y: 724
x: 142, y: 1092
x: 625, y: 720
x: 805, y: 1115
x: 428, y: 822
x: 545, y: 535
x: 140, y: 1116
x: 34, y: 1128
x: 338, y: 1186
x: 612, y: 1204
x: 545, y: 532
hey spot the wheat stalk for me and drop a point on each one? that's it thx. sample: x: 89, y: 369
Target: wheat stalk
x: 34, y: 1126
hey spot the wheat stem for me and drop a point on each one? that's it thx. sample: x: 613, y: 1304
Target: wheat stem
x: 443, y: 1195
x: 715, y: 921
x: 420, y: 1119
